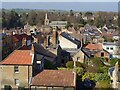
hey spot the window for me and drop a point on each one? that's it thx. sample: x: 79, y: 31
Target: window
x: 16, y: 69
x: 38, y: 62
x: 49, y: 88
x: 111, y: 48
x: 78, y: 58
x: 107, y: 48
x: 16, y: 82
x: 102, y: 54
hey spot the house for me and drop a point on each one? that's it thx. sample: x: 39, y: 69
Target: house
x: 111, y: 47
x: 116, y: 37
x: 67, y: 41
x: 59, y: 24
x: 54, y: 80
x: 12, y: 42
x: 96, y: 50
x: 21, y: 65
x: 78, y: 56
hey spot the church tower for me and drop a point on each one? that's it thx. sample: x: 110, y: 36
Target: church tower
x: 46, y: 22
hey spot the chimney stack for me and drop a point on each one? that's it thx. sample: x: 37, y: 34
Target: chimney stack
x: 36, y: 40
x: 54, y: 37
x: 45, y: 42
x: 24, y: 41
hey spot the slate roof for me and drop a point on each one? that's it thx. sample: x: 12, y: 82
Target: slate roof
x: 58, y: 78
x: 112, y: 43
x: 69, y: 37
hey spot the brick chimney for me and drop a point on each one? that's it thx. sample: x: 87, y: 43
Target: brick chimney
x: 24, y: 41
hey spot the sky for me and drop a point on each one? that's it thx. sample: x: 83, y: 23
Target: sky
x: 76, y: 6
x: 61, y: 0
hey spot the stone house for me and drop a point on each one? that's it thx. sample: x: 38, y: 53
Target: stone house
x: 21, y: 65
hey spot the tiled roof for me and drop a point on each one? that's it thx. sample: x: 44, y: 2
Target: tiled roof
x: 94, y: 46
x: 54, y: 78
x: 19, y: 57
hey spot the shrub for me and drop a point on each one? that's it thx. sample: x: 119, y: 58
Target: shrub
x: 102, y: 77
x: 70, y: 64
x: 91, y: 76
x: 97, y: 61
x: 103, y: 84
x: 113, y: 61
x: 79, y: 71
x: 103, y: 69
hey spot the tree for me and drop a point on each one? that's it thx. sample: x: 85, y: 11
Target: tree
x: 88, y: 14
x: 11, y: 19
x: 71, y: 13
x: 103, y: 69
x: 79, y: 71
x: 69, y: 25
x: 70, y: 64
x: 32, y: 18
x: 113, y: 61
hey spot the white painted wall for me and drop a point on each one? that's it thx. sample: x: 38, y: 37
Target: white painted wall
x: 115, y: 48
x: 116, y: 56
x: 65, y: 43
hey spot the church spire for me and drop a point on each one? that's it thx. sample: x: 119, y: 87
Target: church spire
x: 46, y: 22
x: 46, y: 16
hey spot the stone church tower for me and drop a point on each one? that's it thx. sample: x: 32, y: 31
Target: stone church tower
x: 46, y: 22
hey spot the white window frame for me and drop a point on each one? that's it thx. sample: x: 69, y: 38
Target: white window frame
x: 16, y: 81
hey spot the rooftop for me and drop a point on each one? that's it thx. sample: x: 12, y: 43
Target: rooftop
x: 54, y: 78
x: 69, y: 37
x: 94, y: 46
x: 18, y: 57
x: 111, y: 43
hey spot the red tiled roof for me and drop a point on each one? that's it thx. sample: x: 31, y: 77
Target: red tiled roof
x: 94, y: 46
x: 54, y: 78
x: 20, y: 57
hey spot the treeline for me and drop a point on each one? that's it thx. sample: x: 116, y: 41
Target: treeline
x: 13, y: 19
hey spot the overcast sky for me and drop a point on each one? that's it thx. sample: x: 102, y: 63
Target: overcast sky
x: 76, y: 6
